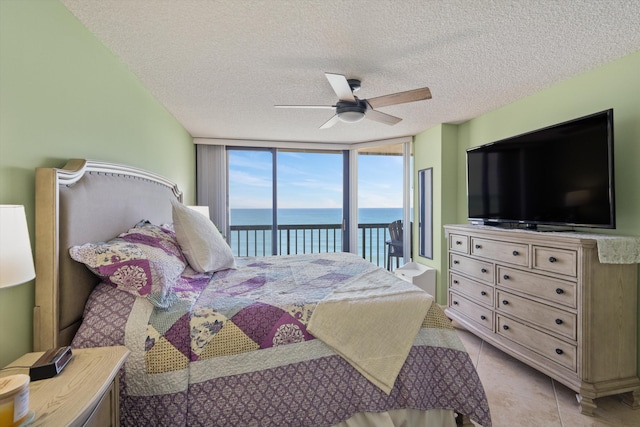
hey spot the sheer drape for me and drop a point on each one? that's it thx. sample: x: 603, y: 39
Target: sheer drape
x: 211, y: 183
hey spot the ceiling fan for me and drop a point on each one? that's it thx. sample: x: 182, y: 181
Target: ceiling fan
x: 351, y: 109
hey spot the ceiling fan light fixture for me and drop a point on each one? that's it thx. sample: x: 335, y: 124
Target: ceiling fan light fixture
x: 351, y: 116
x: 349, y: 112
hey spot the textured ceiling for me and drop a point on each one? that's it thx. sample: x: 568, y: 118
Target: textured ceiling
x: 219, y: 66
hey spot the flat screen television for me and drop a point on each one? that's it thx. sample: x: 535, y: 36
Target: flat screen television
x: 561, y: 175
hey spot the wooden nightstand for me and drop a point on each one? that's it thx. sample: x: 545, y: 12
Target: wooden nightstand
x: 85, y: 393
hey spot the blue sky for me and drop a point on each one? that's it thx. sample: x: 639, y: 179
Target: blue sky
x: 312, y: 180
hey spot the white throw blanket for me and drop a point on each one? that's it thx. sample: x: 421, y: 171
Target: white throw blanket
x: 613, y: 249
x: 372, y: 321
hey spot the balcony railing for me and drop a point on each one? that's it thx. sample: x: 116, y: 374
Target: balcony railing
x: 255, y: 240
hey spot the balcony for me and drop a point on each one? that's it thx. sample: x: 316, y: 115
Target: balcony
x: 255, y: 240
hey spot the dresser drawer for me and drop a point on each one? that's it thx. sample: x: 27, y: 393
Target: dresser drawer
x: 554, y: 260
x: 552, y: 348
x: 555, y: 320
x: 480, y: 270
x: 474, y: 312
x: 513, y: 253
x: 553, y: 290
x: 477, y: 291
x: 459, y: 243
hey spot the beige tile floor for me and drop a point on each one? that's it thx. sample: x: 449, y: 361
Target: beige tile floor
x: 521, y: 396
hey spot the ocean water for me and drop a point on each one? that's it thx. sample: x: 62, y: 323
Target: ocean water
x: 371, y: 240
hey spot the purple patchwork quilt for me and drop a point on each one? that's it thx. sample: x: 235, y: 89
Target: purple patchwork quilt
x: 234, y: 350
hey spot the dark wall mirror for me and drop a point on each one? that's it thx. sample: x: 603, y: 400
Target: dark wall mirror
x: 425, y: 213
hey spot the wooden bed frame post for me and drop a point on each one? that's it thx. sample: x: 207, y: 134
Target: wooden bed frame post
x: 46, y: 227
x: 47, y: 299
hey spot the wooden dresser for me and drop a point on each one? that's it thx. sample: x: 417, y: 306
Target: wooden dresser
x: 545, y: 299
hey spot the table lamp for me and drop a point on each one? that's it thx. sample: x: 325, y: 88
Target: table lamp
x: 16, y: 267
x: 16, y: 259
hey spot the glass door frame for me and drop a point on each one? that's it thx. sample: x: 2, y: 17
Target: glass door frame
x: 407, y: 191
x: 346, y: 199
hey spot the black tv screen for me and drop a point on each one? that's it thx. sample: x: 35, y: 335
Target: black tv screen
x: 560, y: 175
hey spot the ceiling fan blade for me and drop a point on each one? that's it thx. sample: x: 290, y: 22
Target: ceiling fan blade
x: 400, y: 97
x: 341, y: 87
x: 377, y: 116
x: 332, y: 121
x: 325, y: 107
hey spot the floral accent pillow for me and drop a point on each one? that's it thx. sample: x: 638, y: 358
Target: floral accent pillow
x: 145, y: 261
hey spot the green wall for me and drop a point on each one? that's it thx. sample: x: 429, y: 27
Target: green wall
x: 64, y: 95
x: 615, y: 85
x: 437, y: 149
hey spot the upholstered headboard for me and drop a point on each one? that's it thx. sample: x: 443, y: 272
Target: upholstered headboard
x: 85, y: 201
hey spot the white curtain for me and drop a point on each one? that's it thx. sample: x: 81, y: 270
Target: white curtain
x: 211, y: 183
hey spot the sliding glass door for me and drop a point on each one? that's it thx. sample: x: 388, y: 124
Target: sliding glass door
x: 285, y: 201
x: 382, y: 171
x: 251, y: 201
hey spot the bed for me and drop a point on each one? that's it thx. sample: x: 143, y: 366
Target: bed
x: 307, y: 340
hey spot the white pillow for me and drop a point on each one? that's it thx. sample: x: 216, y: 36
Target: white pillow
x: 200, y: 241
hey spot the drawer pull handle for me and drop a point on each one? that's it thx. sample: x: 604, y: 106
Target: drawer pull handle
x: 559, y: 351
x: 505, y: 327
x: 455, y: 303
x: 478, y: 246
x: 456, y: 261
x: 483, y: 293
x: 483, y: 317
x: 505, y: 277
x: 458, y: 242
x: 484, y: 270
x: 559, y: 322
x: 559, y: 291
x: 515, y: 253
x: 455, y: 282
x: 505, y: 302
x: 552, y: 259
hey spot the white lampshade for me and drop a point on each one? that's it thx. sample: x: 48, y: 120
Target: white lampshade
x: 204, y: 210
x: 16, y: 260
